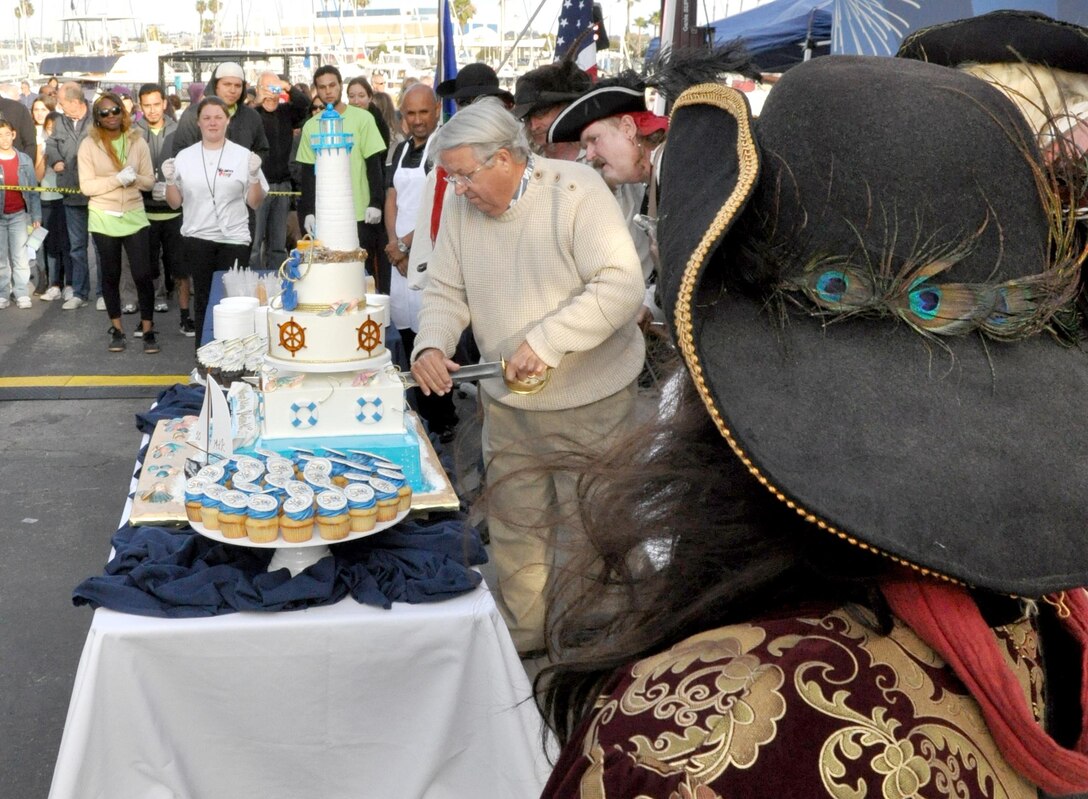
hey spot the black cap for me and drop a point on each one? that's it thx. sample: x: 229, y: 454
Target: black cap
x: 475, y: 80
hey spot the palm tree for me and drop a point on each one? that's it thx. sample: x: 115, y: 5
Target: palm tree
x: 24, y: 9
x: 463, y: 11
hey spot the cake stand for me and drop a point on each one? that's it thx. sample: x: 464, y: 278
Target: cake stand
x: 372, y: 364
x: 296, y: 557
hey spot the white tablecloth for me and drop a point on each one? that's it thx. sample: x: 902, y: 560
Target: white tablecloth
x: 346, y: 700
x: 339, y: 701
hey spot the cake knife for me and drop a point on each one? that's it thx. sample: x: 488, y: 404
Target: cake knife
x: 487, y: 371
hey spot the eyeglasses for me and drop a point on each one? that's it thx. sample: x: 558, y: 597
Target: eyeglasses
x: 466, y: 180
x: 317, y: 107
x: 103, y: 113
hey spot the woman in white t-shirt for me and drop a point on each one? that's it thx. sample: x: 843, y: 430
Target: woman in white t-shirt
x: 212, y: 182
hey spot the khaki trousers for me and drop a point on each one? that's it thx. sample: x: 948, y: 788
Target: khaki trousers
x: 531, y: 512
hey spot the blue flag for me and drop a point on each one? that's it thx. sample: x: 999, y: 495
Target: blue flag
x: 447, y: 57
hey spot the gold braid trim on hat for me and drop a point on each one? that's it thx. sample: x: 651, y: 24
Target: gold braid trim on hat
x: 732, y: 102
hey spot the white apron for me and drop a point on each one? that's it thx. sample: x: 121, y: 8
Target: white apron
x: 404, y: 304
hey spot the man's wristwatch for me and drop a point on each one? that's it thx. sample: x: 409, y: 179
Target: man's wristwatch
x: 402, y: 246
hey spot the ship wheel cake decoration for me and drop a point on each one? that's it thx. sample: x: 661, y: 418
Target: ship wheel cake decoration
x: 292, y: 336
x: 370, y: 335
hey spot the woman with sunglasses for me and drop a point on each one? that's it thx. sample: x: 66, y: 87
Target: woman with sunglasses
x: 213, y: 182
x: 114, y: 167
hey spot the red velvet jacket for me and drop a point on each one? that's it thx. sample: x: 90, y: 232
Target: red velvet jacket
x: 796, y: 707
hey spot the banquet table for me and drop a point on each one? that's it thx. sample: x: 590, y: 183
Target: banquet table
x: 345, y: 700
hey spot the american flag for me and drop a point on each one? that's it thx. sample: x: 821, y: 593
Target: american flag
x: 575, y: 17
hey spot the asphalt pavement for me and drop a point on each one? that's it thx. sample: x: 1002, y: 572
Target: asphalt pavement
x: 67, y: 409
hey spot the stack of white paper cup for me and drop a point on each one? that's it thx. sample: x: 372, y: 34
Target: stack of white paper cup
x: 233, y: 318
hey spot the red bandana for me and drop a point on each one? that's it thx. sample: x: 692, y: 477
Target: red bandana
x: 947, y: 618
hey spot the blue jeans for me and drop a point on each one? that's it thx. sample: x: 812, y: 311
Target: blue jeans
x: 269, y: 249
x: 75, y: 217
x: 14, y: 265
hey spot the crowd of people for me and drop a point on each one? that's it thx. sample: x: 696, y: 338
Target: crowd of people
x: 85, y: 213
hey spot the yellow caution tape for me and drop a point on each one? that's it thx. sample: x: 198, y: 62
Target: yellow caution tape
x: 40, y: 188
x: 77, y: 191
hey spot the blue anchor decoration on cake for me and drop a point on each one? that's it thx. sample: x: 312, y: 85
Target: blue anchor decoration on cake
x: 290, y: 273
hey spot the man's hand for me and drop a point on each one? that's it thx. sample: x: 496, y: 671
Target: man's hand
x: 524, y: 363
x: 432, y: 371
x: 58, y: 167
x: 158, y: 191
x: 309, y: 224
x: 373, y: 216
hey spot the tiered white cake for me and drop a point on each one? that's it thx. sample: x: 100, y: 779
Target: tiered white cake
x: 328, y: 374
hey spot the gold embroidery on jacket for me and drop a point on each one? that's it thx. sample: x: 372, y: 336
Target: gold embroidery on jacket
x: 725, y: 707
x: 716, y: 700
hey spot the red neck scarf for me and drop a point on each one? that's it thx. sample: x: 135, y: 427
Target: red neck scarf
x: 947, y: 618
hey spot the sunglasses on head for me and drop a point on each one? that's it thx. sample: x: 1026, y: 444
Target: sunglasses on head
x: 109, y: 112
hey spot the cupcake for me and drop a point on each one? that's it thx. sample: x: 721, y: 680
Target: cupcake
x: 362, y: 507
x: 317, y: 476
x: 209, y: 510
x: 388, y: 496
x: 233, y: 508
x: 297, y: 519
x: 297, y: 488
x: 194, y: 495
x: 213, y: 473
x: 333, y: 521
x: 340, y: 467
x: 403, y: 489
x: 262, y: 518
x: 280, y: 467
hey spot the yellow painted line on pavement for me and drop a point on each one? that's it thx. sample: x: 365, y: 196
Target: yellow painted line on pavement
x: 91, y: 381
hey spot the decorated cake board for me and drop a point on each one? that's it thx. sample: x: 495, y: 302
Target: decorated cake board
x: 160, y: 492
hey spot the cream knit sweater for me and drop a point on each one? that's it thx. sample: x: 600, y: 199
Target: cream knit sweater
x: 558, y: 270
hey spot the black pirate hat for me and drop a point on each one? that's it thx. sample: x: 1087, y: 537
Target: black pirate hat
x: 1001, y: 36
x: 872, y: 286
x: 549, y: 85
x: 472, y: 81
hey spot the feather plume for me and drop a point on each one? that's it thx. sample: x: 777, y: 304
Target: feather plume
x: 673, y: 71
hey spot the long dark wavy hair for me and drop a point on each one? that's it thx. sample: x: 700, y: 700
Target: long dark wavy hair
x: 681, y: 539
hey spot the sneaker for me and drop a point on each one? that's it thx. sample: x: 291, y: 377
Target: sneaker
x: 23, y: 302
x: 72, y: 303
x: 51, y: 293
x: 128, y: 308
x: 161, y: 306
x: 100, y: 304
x: 138, y: 332
x: 117, y: 339
x: 188, y: 328
x: 68, y: 293
x: 151, y: 346
x: 4, y: 303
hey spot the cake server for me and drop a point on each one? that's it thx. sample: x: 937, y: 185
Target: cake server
x: 487, y: 371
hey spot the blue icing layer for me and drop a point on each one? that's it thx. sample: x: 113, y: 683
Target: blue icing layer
x: 400, y: 449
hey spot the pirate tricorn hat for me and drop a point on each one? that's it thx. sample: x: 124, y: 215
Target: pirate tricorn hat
x: 668, y: 74
x: 872, y: 287
x: 549, y: 85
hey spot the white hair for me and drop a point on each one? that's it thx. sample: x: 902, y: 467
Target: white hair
x: 487, y: 127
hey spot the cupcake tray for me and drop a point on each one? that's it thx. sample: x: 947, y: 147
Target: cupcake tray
x: 300, y: 556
